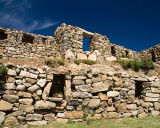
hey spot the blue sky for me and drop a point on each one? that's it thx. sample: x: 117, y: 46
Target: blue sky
x: 134, y: 24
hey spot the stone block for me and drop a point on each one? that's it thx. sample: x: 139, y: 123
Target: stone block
x: 74, y: 114
x: 94, y: 103
x: 5, y: 106
x: 11, y: 98
x: 112, y: 93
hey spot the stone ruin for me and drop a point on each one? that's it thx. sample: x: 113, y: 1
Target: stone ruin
x: 36, y: 95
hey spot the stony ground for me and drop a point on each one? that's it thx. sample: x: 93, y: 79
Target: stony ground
x: 147, y: 122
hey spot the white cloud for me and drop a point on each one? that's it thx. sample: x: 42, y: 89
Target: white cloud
x: 15, y: 15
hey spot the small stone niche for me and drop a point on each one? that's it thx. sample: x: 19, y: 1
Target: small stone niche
x: 58, y: 84
x: 27, y: 38
x: 113, y: 50
x: 3, y: 35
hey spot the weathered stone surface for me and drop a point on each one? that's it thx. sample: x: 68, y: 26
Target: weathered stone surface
x: 88, y: 81
x: 103, y: 96
x: 122, y: 107
x: 5, y: 106
x: 2, y: 117
x: 69, y: 55
x: 21, y: 88
x: 24, y: 94
x: 149, y: 99
x: 112, y: 93
x: 33, y: 88
x: 83, y: 88
x: 110, y: 109
x: 11, y: 121
x: 11, y: 98
x: 31, y: 81
x: 92, y: 57
x: 78, y: 82
x: 60, y: 115
x: 27, y: 108
x: 17, y: 113
x: 10, y: 86
x: 81, y: 56
x: 34, y: 117
x: 60, y: 120
x: 81, y: 95
x: 96, y: 79
x: 155, y: 84
x: 26, y: 101
x: 42, y: 82
x: 49, y: 117
x: 94, y: 103
x: 155, y: 113
x: 74, y: 114
x: 157, y: 106
x: 46, y: 91
x: 95, y: 116
x: 152, y: 95
x: 127, y: 115
x: 44, y: 105
x: 99, y: 87
x: 131, y: 92
x: 79, y: 78
x: 42, y: 122
x: 28, y: 74
x: 11, y: 72
x: 113, y: 115
x: 39, y: 92
x: 132, y: 106
x: 112, y: 58
x: 100, y: 58
x: 141, y: 79
x: 155, y: 90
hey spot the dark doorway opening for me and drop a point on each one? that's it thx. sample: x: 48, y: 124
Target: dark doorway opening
x: 3, y: 35
x: 113, y: 51
x: 27, y: 38
x: 138, y: 89
x: 127, y: 52
x: 153, y: 56
x: 57, y: 89
x: 86, y: 43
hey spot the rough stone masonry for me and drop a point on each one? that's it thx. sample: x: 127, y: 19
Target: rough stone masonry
x: 37, y: 95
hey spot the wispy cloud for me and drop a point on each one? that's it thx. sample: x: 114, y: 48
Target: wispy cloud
x: 16, y: 15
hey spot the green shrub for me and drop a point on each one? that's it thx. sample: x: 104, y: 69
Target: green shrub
x: 89, y: 62
x: 136, y: 65
x: 3, y: 74
x: 147, y: 64
x: 55, y: 62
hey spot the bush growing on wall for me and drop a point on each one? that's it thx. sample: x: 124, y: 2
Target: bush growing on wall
x: 89, y: 62
x: 3, y: 73
x: 55, y: 62
x: 136, y: 65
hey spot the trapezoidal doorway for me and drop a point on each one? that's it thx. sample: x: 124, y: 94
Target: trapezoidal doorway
x: 58, y: 84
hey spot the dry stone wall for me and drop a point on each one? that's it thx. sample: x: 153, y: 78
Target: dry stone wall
x: 36, y: 95
x: 153, y: 53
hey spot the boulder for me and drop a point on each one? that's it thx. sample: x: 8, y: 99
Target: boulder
x: 10, y: 86
x: 112, y: 58
x: 78, y: 82
x: 21, y: 88
x: 131, y: 106
x: 27, y: 108
x: 5, y: 106
x: 34, y: 117
x: 94, y: 103
x: 11, y: 72
x: 11, y: 121
x: 44, y: 105
x: 83, y: 88
x: 99, y: 87
x: 113, y: 115
x: 33, y: 88
x: 81, y: 95
x: 157, y: 106
x: 60, y: 120
x: 26, y: 101
x: 60, y: 115
x: 155, y: 113
x: 69, y: 55
x: 2, y: 117
x: 74, y: 114
x: 42, y: 122
x: 49, y: 117
x: 150, y: 99
x: 11, y: 98
x: 31, y: 81
x: 24, y: 94
x: 112, y: 93
x: 92, y: 57
x: 81, y: 56
x: 42, y: 82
